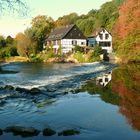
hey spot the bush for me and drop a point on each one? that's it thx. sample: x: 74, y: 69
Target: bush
x: 35, y: 58
x: 79, y: 56
x: 95, y: 56
x: 97, y: 51
x: 8, y: 52
x: 77, y: 48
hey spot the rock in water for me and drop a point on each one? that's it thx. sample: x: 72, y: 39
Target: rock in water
x: 34, y: 91
x: 48, y: 132
x: 22, y: 90
x: 22, y: 131
x: 1, y: 132
x: 69, y: 132
x: 9, y: 87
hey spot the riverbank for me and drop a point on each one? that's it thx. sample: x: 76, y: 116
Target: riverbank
x: 70, y: 58
x: 14, y: 59
x: 73, y: 58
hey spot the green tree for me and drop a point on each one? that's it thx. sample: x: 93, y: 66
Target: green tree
x: 108, y: 14
x: 40, y: 29
x: 9, y: 40
x: 2, y: 42
x: 86, y: 25
x: 66, y: 20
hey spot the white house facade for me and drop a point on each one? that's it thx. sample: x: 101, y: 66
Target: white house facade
x: 69, y: 44
x: 66, y: 38
x: 104, y: 39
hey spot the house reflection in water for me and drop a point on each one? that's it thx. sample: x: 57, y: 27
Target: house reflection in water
x: 104, y: 79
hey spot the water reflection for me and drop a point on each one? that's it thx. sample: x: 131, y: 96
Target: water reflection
x: 104, y: 79
x: 122, y: 90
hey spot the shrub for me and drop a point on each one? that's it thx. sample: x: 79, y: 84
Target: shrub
x: 95, y: 56
x: 35, y: 58
x: 79, y: 56
x: 77, y: 48
x: 8, y: 52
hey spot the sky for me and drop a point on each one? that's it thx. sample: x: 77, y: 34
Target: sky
x: 12, y: 24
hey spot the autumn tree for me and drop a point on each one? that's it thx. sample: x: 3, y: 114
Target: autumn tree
x: 23, y: 44
x: 127, y: 31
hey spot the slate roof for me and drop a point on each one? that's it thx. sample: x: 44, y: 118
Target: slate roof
x: 60, y: 33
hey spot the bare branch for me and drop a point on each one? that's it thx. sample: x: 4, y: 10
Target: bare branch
x: 14, y: 7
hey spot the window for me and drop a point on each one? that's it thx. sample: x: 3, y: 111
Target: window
x: 100, y: 80
x: 82, y: 43
x: 101, y: 36
x: 106, y: 79
x: 105, y: 44
x: 106, y: 36
x: 74, y: 42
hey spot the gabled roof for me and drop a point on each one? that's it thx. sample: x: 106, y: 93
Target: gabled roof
x: 103, y: 29
x: 60, y: 33
x: 97, y: 32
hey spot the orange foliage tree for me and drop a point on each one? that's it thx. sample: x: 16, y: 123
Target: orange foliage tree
x: 23, y: 44
x: 127, y: 31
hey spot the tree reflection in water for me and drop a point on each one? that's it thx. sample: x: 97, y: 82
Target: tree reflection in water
x: 122, y: 90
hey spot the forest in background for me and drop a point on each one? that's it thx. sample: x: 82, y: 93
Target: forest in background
x: 120, y: 17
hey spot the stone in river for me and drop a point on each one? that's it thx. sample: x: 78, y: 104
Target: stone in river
x: 48, y: 132
x: 9, y: 87
x: 69, y: 132
x: 22, y: 131
x: 1, y: 132
x: 34, y: 91
x: 22, y: 90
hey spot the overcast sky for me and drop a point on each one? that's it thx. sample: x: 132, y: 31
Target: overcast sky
x: 11, y: 25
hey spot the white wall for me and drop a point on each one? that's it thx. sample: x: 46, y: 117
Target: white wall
x: 104, y: 40
x: 67, y: 46
x: 109, y: 49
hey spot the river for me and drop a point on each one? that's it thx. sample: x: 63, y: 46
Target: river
x: 100, y: 100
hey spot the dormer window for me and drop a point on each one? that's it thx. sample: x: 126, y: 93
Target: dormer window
x: 101, y: 36
x: 106, y: 36
x: 103, y: 30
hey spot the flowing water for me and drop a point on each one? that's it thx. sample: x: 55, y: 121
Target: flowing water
x: 100, y: 100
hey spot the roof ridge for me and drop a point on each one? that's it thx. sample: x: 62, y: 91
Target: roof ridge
x: 60, y: 33
x: 72, y: 25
